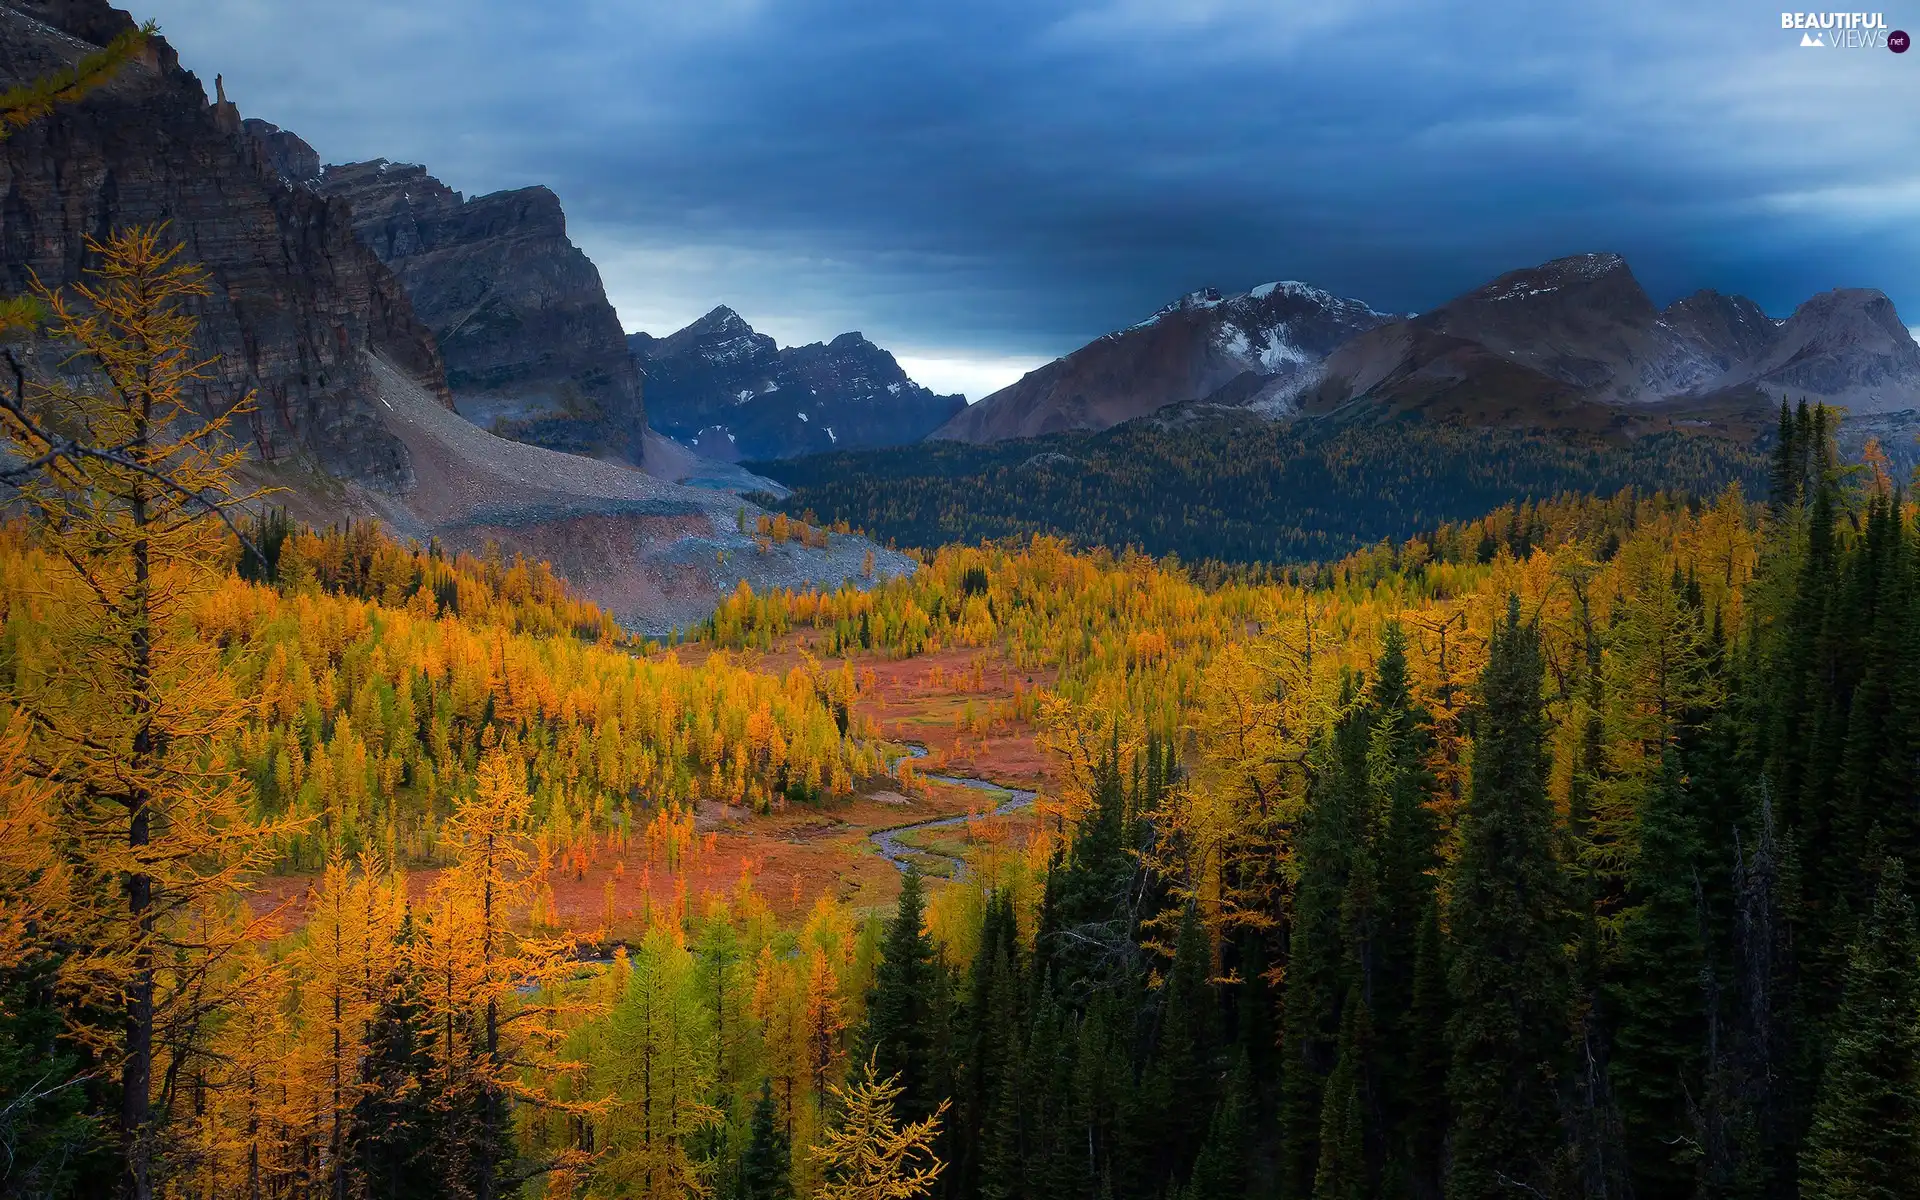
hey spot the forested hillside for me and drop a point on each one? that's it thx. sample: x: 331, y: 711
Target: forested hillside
x: 1233, y: 487
x: 1582, y: 871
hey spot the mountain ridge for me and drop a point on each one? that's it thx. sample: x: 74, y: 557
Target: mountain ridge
x: 731, y: 393
x: 1574, y: 342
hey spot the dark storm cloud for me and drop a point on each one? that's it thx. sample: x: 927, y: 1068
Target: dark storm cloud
x: 1006, y: 179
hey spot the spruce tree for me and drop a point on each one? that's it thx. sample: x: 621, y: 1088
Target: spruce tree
x: 767, y: 1162
x: 1343, y: 1172
x: 1219, y: 1173
x: 1865, y: 1140
x: 898, y: 1038
x: 1414, y: 1165
x: 1183, y: 1077
x: 1319, y: 967
x: 1658, y: 1058
x: 400, y: 1117
x: 991, y: 1022
x: 1509, y: 1027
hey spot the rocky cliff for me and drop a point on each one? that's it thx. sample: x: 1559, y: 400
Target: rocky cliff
x: 296, y: 303
x: 731, y: 393
x: 285, y: 152
x: 533, y: 349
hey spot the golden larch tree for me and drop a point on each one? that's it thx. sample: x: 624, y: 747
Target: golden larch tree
x: 128, y: 710
x: 869, y: 1155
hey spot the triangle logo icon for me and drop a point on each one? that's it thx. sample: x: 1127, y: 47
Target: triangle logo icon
x: 1808, y: 39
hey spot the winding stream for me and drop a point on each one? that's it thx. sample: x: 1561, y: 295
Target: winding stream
x: 902, y: 855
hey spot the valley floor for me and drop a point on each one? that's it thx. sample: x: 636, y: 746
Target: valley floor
x: 949, y: 706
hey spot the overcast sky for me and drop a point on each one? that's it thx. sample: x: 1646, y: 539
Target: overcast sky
x: 980, y: 185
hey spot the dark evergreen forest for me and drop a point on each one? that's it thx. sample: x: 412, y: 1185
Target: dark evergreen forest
x: 1231, y: 487
x: 1716, y: 995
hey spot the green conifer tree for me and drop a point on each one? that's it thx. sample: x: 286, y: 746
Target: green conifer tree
x: 766, y: 1165
x: 1319, y: 967
x: 1865, y: 1140
x: 1509, y: 984
x: 1343, y: 1172
x: 1659, y: 1045
x: 898, y: 1038
x: 1219, y: 1173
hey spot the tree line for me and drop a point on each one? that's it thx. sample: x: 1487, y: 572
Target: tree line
x: 1234, y: 488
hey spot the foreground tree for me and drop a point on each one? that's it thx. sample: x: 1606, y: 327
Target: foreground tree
x: 870, y: 1155
x: 766, y: 1165
x: 127, y: 710
x: 495, y: 1036
x: 1509, y: 976
x: 655, y: 1065
x: 1865, y: 1140
x: 899, y: 1038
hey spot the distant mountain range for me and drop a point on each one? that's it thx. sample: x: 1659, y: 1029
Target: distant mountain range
x: 1572, y: 343
x: 730, y: 393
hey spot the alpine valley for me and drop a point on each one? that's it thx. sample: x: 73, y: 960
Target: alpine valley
x: 455, y: 747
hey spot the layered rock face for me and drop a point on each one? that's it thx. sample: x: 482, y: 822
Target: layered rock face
x: 533, y: 349
x: 285, y: 152
x: 296, y: 303
x: 1240, y: 349
x: 731, y: 394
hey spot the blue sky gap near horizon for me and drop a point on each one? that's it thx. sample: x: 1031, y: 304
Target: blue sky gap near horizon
x: 982, y: 186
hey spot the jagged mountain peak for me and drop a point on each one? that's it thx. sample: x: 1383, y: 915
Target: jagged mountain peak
x: 286, y: 152
x: 720, y: 319
x: 1724, y: 330
x: 1572, y: 278
x: 732, y: 393
x: 1847, y: 346
x: 1292, y: 287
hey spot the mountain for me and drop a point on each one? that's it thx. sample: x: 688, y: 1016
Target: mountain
x: 1249, y: 344
x: 1576, y: 341
x: 1847, y: 346
x: 354, y: 418
x: 296, y: 303
x: 533, y: 349
x: 730, y: 393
